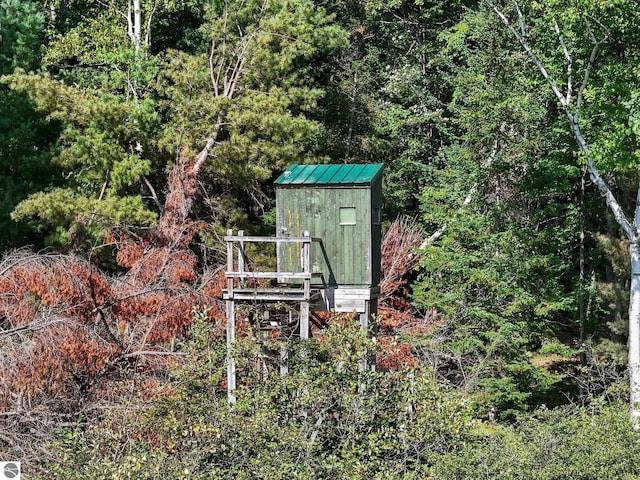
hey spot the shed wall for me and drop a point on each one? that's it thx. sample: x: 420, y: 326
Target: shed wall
x: 376, y: 229
x: 348, y: 253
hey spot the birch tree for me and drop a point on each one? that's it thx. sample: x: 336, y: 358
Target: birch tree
x: 583, y: 38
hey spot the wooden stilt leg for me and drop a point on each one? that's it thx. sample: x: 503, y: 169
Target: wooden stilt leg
x: 367, y: 321
x: 231, y: 363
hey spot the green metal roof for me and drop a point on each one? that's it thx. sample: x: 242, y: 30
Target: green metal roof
x: 352, y: 174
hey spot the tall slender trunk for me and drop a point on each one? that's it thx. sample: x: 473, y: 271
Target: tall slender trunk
x: 631, y: 229
x: 135, y: 23
x: 634, y: 333
x: 634, y: 321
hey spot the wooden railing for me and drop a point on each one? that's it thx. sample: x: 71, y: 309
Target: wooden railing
x: 237, y: 269
x: 285, y: 290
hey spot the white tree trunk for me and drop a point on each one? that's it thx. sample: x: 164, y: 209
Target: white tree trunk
x: 634, y: 321
x: 634, y: 335
x: 134, y: 20
x: 631, y: 230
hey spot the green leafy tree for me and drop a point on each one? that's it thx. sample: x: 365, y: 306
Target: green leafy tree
x: 97, y: 90
x: 25, y: 136
x: 573, y: 50
x: 22, y: 24
x: 235, y: 101
x: 503, y: 209
x: 411, y: 121
x: 241, y: 107
x: 501, y: 294
x: 387, y: 98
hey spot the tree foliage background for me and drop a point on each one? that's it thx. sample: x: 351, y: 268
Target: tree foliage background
x: 127, y: 157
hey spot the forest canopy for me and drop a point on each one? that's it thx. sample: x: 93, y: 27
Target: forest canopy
x: 134, y: 133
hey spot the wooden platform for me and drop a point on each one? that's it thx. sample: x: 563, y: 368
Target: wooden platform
x: 277, y: 294
x: 293, y: 287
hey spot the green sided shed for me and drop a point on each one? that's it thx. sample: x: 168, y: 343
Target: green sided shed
x: 340, y: 205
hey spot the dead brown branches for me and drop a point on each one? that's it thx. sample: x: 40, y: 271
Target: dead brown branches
x: 399, y: 256
x: 72, y: 336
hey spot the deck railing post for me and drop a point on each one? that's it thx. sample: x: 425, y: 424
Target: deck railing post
x: 306, y: 268
x: 294, y: 287
x: 241, y: 255
x: 231, y: 327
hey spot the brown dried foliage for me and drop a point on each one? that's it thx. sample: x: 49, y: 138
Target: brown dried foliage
x: 399, y: 259
x: 66, y: 328
x: 395, y: 355
x: 399, y: 256
x: 395, y: 314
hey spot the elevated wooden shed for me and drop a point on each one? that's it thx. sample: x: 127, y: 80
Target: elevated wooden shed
x: 328, y: 244
x: 341, y: 206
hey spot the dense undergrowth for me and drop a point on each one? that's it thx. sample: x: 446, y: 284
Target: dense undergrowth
x: 326, y: 419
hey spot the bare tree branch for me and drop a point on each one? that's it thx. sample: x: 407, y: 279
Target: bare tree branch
x: 592, y: 59
x: 567, y: 56
x: 154, y: 196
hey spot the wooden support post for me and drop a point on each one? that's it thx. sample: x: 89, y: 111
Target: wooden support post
x: 241, y: 255
x: 231, y: 362
x: 364, y: 316
x: 304, y: 305
x: 231, y: 327
x: 304, y: 320
x: 285, y: 334
x: 367, y: 321
x: 230, y: 264
x: 370, y: 311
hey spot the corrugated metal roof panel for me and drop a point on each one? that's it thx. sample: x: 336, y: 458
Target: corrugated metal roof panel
x: 328, y: 174
x: 302, y: 174
x: 355, y: 173
x: 343, y: 174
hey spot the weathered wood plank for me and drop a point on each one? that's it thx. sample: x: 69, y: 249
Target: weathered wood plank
x: 363, y: 292
x: 249, y: 238
x: 276, y: 275
x: 268, y: 295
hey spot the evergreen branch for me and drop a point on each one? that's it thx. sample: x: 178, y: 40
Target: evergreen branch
x: 472, y: 191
